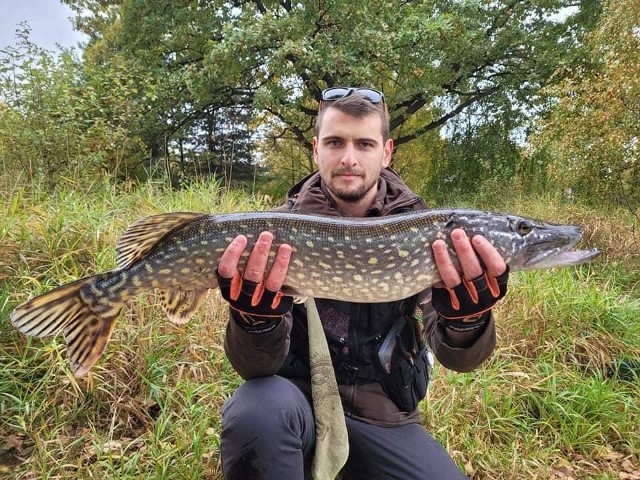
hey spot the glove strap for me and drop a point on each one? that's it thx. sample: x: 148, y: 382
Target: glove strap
x: 467, y: 324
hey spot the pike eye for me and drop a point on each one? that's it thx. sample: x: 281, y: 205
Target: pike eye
x: 524, y: 227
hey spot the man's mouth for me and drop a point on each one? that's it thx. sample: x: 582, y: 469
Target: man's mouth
x: 346, y: 175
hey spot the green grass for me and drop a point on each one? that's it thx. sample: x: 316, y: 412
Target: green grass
x: 542, y: 406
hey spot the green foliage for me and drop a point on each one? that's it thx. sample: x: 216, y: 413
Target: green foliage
x: 55, y: 125
x: 192, y: 126
x: 591, y: 138
x: 270, y: 60
x: 475, y: 157
x: 180, y: 89
x: 36, y: 109
x: 288, y: 162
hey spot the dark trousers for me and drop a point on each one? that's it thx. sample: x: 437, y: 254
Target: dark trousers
x: 269, y: 434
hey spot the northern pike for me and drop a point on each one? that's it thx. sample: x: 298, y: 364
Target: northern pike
x: 351, y: 259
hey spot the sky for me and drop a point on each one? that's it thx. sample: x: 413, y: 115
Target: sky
x: 48, y: 20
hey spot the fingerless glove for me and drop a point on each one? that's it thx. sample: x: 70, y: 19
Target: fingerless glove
x: 464, y: 305
x: 254, y: 304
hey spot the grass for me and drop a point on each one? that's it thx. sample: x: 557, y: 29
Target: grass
x: 543, y: 406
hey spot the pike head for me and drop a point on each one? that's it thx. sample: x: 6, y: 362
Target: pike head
x: 524, y: 243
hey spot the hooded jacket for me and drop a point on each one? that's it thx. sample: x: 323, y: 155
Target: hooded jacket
x: 283, y: 350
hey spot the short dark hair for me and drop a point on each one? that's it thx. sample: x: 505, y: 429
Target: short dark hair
x: 355, y: 105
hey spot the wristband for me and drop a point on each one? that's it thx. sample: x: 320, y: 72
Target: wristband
x: 254, y: 324
x: 466, y: 325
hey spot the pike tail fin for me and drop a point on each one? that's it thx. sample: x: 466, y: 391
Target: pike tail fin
x: 77, y: 308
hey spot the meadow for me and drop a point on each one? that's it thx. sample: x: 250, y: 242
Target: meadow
x: 558, y: 399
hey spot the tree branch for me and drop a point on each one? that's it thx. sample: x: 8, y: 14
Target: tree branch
x: 295, y: 129
x: 444, y: 118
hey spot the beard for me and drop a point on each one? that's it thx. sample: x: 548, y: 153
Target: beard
x: 348, y: 194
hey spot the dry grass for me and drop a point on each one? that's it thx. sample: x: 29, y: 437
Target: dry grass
x: 544, y: 406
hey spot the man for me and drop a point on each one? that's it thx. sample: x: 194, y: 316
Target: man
x: 268, y: 424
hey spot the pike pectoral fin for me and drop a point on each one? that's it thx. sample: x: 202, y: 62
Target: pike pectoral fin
x: 181, y: 305
x: 298, y: 297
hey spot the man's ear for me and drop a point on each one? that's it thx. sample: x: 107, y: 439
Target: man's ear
x: 315, y: 149
x: 388, y: 151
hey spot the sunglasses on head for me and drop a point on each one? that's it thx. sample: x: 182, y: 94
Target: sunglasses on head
x: 335, y: 93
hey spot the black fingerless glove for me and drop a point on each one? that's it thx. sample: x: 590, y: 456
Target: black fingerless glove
x: 464, y: 306
x: 256, y: 307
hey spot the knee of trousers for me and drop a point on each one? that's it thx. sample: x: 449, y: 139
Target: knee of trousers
x: 267, y: 404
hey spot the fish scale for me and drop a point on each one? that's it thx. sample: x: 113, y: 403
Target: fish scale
x: 350, y: 259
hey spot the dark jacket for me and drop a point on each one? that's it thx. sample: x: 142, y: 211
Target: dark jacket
x: 284, y: 350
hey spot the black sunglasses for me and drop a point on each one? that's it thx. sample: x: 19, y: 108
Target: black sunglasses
x: 335, y: 93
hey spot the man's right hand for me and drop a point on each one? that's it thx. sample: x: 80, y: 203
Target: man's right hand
x: 253, y: 292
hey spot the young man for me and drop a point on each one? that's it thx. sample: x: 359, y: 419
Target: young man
x: 268, y: 424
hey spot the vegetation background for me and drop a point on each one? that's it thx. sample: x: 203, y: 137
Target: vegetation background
x: 524, y: 106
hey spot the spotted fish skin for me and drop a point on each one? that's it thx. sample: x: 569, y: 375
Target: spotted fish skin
x: 351, y: 259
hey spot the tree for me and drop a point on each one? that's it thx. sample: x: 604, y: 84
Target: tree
x: 60, y: 121
x: 592, y: 137
x: 477, y: 154
x: 433, y: 59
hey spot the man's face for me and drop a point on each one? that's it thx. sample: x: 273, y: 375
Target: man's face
x: 350, y: 154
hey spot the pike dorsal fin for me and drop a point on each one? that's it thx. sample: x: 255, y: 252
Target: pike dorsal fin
x: 439, y: 216
x: 143, y: 234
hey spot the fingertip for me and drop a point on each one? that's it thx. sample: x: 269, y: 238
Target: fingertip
x: 240, y: 240
x: 478, y: 240
x: 438, y: 245
x: 458, y: 234
x: 285, y: 250
x: 267, y: 235
x: 482, y: 245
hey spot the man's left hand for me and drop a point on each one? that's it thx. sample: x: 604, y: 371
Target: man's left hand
x: 467, y: 294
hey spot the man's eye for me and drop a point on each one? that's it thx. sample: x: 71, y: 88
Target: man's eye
x: 365, y: 144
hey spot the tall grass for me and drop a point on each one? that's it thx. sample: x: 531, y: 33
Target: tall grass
x: 546, y: 405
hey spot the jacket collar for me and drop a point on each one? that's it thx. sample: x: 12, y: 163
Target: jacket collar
x: 310, y: 195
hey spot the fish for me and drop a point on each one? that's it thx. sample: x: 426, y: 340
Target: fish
x: 364, y: 260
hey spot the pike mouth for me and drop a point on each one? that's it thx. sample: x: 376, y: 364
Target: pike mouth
x: 561, y: 258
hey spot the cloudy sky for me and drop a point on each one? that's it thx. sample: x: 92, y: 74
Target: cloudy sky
x: 48, y: 19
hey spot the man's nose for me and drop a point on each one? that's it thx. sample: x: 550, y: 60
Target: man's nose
x: 349, y: 157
